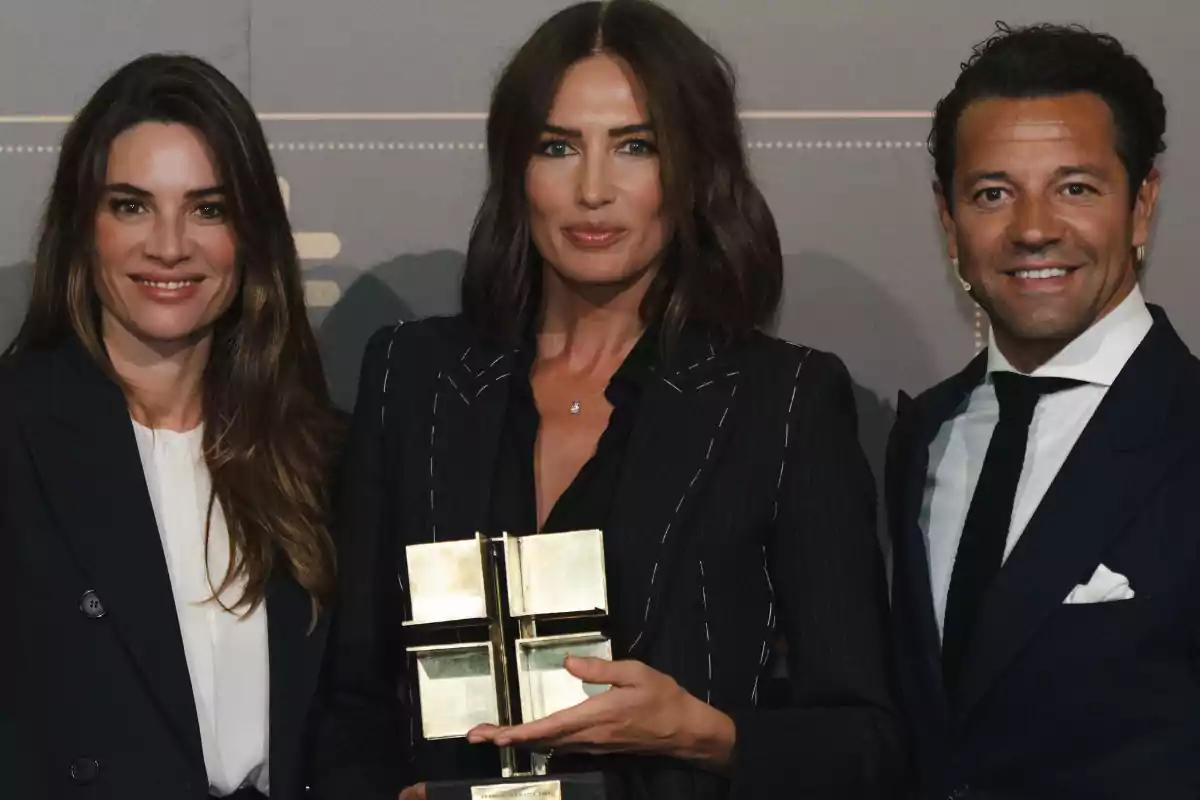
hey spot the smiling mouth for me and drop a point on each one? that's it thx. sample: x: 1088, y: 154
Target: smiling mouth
x: 168, y: 285
x: 1041, y: 274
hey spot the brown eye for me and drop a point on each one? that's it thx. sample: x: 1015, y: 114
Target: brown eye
x: 989, y: 196
x: 126, y: 206
x: 211, y: 211
x: 1079, y: 190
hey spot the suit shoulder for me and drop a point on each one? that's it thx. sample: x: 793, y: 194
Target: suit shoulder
x: 9, y: 367
x: 416, y: 342
x: 800, y: 359
x: 26, y: 376
x: 939, y: 387
x: 1191, y: 373
x: 1187, y: 388
x: 23, y: 362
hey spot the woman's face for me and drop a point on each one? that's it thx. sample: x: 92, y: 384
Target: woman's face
x: 594, y: 189
x: 165, y: 252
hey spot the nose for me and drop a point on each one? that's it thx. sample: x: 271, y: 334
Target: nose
x: 595, y: 180
x: 168, y: 241
x: 1035, y: 225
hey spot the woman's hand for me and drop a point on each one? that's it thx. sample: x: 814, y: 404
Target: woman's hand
x: 644, y: 712
x: 416, y: 792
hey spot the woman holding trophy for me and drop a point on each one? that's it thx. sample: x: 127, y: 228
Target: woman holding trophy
x: 608, y: 371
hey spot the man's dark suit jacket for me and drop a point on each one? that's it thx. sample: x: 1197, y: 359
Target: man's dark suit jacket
x: 1068, y: 701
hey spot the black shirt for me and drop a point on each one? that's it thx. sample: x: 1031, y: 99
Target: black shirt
x: 586, y: 503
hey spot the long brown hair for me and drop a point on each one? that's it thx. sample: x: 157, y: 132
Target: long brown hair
x: 270, y: 429
x: 723, y: 266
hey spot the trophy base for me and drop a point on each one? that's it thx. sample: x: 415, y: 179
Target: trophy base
x: 568, y: 786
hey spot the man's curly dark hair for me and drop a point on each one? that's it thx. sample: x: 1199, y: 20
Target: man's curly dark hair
x: 1048, y: 60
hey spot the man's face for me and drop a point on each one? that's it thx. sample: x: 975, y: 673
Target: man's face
x: 1041, y: 219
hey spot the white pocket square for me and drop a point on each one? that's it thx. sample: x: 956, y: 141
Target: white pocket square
x: 1105, y: 586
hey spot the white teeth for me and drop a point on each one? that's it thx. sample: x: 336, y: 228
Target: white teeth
x: 1036, y: 274
x: 166, y: 284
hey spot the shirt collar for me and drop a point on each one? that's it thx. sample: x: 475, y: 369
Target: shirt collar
x: 1098, y: 354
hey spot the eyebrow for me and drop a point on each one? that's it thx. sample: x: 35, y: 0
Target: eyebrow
x: 575, y: 133
x: 1062, y: 172
x: 137, y: 191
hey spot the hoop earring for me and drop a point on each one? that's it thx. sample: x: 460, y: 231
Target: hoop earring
x: 966, y: 285
x: 1139, y: 256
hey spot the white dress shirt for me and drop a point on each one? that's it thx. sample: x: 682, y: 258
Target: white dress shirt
x: 226, y: 653
x: 956, y: 454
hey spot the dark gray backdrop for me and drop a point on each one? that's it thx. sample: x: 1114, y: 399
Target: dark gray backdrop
x: 374, y: 109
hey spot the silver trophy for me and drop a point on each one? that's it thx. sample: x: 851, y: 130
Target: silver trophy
x: 503, y: 587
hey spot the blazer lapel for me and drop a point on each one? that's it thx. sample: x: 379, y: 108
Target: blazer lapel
x: 470, y: 398
x: 296, y: 645
x: 917, y: 424
x: 681, y: 426
x: 1140, y: 429
x: 87, y: 457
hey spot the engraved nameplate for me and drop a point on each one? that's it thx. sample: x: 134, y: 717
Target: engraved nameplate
x: 540, y: 790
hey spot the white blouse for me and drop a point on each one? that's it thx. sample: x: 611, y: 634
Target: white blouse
x: 227, y: 654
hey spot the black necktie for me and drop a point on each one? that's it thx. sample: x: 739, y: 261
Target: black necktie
x: 985, y: 532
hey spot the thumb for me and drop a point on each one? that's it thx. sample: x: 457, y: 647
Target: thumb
x: 600, y: 670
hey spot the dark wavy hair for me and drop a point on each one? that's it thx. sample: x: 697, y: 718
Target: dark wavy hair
x: 1048, y: 60
x: 270, y: 429
x: 722, y: 266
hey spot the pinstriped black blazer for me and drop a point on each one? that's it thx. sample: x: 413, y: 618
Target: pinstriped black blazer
x: 745, y: 508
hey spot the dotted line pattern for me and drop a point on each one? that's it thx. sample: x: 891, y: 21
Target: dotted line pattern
x: 839, y: 144
x: 325, y: 146
x: 816, y: 144
x: 29, y: 148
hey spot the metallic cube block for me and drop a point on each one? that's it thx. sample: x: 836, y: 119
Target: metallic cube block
x: 447, y: 581
x: 556, y: 574
x: 546, y: 686
x: 457, y: 687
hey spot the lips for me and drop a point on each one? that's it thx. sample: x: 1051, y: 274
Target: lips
x: 593, y: 237
x: 1041, y: 271
x: 173, y: 284
x: 1042, y: 274
x: 169, y: 289
x: 166, y: 276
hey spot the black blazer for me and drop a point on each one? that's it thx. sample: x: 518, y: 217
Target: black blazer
x: 1068, y: 701
x: 95, y: 698
x: 742, y: 457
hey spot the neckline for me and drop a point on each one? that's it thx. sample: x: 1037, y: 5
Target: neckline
x: 189, y: 435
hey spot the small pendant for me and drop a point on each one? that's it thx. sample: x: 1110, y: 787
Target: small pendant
x: 575, y: 407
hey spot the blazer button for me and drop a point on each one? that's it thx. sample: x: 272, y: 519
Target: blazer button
x: 84, y: 770
x: 90, y: 605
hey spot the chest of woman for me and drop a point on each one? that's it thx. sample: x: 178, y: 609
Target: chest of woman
x: 691, y: 500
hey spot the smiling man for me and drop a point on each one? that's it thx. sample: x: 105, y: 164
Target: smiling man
x: 1043, y: 501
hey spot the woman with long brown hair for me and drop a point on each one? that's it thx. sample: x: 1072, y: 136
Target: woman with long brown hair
x: 609, y: 371
x: 165, y: 444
